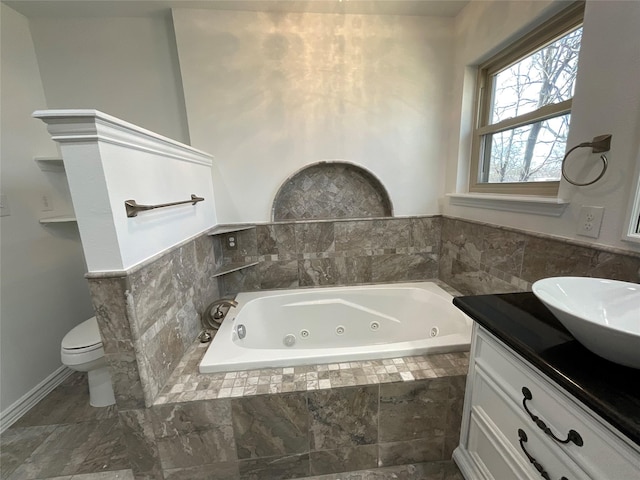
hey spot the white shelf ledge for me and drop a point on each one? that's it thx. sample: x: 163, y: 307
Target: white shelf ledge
x: 535, y: 205
x: 232, y: 267
x: 60, y: 219
x: 222, y: 229
x: 50, y: 164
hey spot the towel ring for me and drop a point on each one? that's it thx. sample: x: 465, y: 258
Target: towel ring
x: 599, y: 144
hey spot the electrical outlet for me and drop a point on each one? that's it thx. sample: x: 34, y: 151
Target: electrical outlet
x: 46, y: 203
x: 232, y: 243
x: 590, y: 221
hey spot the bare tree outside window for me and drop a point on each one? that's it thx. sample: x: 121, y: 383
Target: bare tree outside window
x: 532, y: 152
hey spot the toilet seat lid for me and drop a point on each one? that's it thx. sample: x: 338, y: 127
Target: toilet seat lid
x: 87, y: 334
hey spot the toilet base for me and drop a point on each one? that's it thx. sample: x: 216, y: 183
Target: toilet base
x: 100, y: 388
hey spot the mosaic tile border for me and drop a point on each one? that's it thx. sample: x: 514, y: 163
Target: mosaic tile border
x: 187, y: 385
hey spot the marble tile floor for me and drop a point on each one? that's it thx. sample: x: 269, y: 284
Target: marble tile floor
x: 64, y: 438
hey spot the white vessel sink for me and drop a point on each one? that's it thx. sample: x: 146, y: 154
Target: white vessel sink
x: 603, y: 315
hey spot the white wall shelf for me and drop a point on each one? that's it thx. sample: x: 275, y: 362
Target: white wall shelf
x: 232, y: 267
x: 222, y: 229
x: 58, y: 219
x: 50, y: 164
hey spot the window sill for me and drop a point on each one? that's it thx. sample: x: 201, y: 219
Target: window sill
x: 534, y: 205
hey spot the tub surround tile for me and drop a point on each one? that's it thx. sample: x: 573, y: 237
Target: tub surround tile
x: 354, y: 237
x: 344, y: 459
x: 319, y: 272
x: 399, y: 268
x: 306, y: 377
x: 274, y: 468
x: 315, y: 237
x: 278, y: 274
x: 412, y: 451
x: 193, y: 433
x: 150, y: 317
x: 125, y: 377
x: 311, y: 431
x: 212, y: 471
x: 464, y: 239
x: 276, y: 238
x: 426, y: 232
x: 413, y: 410
x: 197, y: 447
x: 390, y: 233
x: 247, y: 279
x: 353, y: 270
x: 154, y: 293
x: 108, y: 298
x: 343, y: 417
x: 338, y: 252
x: 270, y: 425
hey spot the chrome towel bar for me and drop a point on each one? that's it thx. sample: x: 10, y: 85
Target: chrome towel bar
x: 133, y: 207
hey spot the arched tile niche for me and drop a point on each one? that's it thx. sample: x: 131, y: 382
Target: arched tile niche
x: 330, y: 190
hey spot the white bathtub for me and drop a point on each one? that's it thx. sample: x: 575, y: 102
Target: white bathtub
x: 340, y: 324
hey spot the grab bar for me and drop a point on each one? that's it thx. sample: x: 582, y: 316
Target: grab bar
x: 133, y: 207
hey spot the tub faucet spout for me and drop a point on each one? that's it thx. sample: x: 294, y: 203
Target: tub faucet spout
x: 213, y: 314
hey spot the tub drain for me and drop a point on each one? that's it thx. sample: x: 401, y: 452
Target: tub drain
x: 289, y: 340
x: 434, y: 332
x: 374, y: 325
x: 339, y: 329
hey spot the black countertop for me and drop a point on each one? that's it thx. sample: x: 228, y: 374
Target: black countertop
x: 523, y: 323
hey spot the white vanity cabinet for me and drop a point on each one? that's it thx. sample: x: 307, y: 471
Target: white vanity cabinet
x: 500, y: 440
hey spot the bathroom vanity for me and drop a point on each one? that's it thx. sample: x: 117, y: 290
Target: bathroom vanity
x: 540, y: 405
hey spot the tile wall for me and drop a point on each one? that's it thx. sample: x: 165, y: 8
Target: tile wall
x: 329, y: 190
x: 295, y: 434
x: 340, y: 252
x: 479, y: 258
x: 149, y: 316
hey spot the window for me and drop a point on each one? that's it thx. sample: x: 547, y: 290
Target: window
x: 524, y: 99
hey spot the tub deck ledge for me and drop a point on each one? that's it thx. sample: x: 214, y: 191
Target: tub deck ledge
x: 187, y: 384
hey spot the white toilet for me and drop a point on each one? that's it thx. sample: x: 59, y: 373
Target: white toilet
x: 82, y: 351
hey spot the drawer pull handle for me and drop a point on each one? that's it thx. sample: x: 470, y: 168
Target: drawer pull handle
x: 572, y: 436
x: 523, y: 438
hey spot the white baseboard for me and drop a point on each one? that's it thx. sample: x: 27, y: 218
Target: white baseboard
x: 21, y: 406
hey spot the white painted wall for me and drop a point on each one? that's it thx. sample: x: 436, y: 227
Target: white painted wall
x: 43, y: 290
x: 268, y: 93
x: 109, y: 161
x: 607, y: 100
x: 126, y: 67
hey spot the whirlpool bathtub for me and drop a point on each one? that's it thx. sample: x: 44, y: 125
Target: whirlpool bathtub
x: 282, y: 328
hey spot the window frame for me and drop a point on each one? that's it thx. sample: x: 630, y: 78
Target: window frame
x: 561, y: 24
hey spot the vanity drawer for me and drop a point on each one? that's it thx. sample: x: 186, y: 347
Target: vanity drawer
x: 517, y: 432
x: 488, y: 456
x: 603, y: 455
